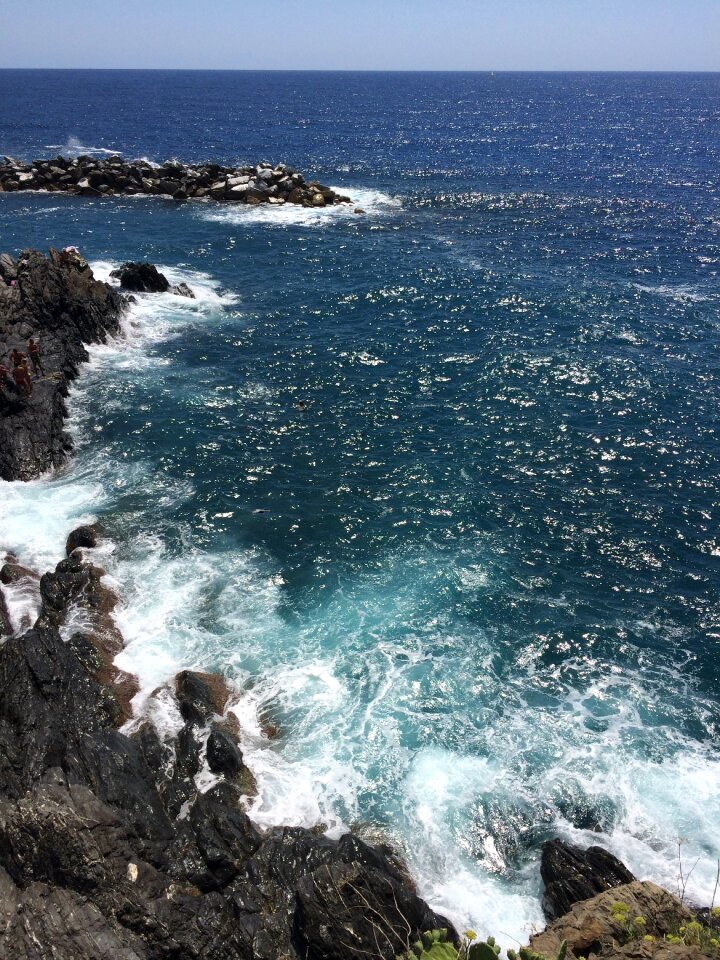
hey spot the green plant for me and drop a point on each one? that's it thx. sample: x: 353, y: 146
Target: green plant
x: 631, y: 928
x: 434, y: 945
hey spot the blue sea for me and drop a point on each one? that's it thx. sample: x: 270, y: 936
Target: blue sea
x: 436, y: 486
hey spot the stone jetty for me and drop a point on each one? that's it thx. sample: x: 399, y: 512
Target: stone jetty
x: 89, y: 176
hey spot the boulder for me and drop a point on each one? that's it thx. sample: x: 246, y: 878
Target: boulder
x: 571, y: 874
x: 141, y: 278
x: 183, y: 290
x: 196, y: 698
x: 86, y: 535
x: 12, y: 572
x: 223, y: 753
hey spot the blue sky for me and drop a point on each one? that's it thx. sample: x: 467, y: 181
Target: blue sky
x: 368, y: 35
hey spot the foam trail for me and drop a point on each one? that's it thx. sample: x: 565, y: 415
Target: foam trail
x: 74, y: 148
x: 374, y: 203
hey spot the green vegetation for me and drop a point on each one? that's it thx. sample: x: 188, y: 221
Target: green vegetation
x: 690, y: 933
x: 434, y: 945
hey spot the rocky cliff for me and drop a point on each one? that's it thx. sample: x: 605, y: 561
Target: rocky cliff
x: 57, y: 301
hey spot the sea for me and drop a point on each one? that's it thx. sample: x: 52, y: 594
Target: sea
x: 434, y: 485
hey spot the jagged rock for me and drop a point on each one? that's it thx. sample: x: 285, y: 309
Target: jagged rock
x: 194, y: 696
x: 5, y: 622
x: 12, y: 572
x: 223, y: 753
x: 8, y: 268
x: 571, y: 874
x: 183, y: 290
x: 94, y: 861
x: 84, y: 536
x: 141, y: 278
x: 77, y: 584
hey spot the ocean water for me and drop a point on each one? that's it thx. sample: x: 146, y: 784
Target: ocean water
x: 473, y: 584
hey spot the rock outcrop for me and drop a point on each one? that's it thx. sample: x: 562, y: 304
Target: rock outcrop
x: 57, y: 301
x: 571, y: 874
x: 108, y: 848
x: 146, y: 278
x: 92, y: 177
x: 596, y: 928
x: 141, y: 278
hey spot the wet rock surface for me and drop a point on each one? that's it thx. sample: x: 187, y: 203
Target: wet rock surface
x: 108, y: 848
x: 571, y: 874
x: 87, y: 176
x: 56, y: 301
x: 141, y: 278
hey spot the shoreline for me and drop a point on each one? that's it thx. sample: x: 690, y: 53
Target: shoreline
x: 174, y: 838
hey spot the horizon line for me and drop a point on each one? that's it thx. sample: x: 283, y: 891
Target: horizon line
x: 398, y: 70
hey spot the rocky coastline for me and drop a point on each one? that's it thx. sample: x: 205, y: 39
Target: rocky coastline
x: 119, y: 844
x: 88, y: 176
x: 57, y: 301
x: 108, y: 846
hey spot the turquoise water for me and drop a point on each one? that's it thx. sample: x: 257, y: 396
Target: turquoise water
x: 473, y: 583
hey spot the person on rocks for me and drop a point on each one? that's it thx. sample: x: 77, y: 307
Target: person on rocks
x: 21, y: 376
x: 34, y: 354
x: 17, y: 357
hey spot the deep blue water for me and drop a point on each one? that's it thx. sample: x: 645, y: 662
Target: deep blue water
x: 482, y: 605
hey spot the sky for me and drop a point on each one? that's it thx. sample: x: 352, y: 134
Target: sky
x: 362, y: 34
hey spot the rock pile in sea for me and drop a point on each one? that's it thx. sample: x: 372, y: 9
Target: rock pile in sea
x: 113, y: 176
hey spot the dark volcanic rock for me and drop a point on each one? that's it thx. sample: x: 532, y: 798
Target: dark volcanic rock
x: 97, y: 863
x: 571, y: 874
x: 87, y: 535
x: 141, y: 278
x: 5, y: 624
x: 195, y: 696
x: 223, y: 753
x: 84, y: 536
x: 57, y: 301
x: 12, y: 572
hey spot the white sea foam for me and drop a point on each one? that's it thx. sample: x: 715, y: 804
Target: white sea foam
x: 374, y: 203
x: 74, y: 147
x: 684, y: 293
